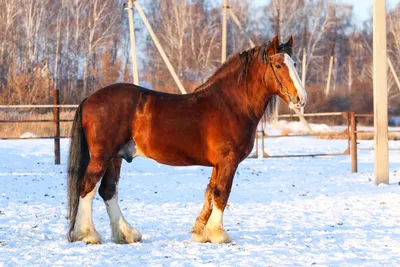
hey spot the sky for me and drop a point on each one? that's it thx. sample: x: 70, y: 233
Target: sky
x: 363, y: 8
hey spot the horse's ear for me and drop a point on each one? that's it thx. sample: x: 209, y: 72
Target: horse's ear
x: 290, y: 42
x: 273, y: 49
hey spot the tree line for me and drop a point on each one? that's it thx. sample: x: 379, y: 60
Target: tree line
x: 79, y: 46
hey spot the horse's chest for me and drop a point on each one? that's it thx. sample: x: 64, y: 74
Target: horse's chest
x: 245, y: 142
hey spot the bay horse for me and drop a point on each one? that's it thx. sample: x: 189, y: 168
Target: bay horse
x: 214, y: 126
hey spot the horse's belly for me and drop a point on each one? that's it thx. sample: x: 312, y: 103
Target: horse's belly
x: 176, y: 159
x: 173, y: 154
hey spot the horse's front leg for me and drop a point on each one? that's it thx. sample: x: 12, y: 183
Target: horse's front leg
x: 198, y: 229
x: 122, y: 231
x: 219, y: 189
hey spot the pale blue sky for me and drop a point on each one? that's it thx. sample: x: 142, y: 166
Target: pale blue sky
x: 363, y: 8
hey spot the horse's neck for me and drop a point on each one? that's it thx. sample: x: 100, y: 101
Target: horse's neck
x: 249, y: 99
x: 258, y: 94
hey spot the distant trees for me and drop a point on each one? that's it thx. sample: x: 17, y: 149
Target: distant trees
x: 64, y: 41
x: 393, y: 24
x: 79, y: 46
x: 190, y: 35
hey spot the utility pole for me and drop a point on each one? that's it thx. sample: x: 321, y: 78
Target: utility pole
x: 396, y: 78
x: 303, y: 73
x: 328, y: 81
x: 224, y: 22
x: 237, y: 21
x: 133, y: 44
x: 159, y: 47
x: 380, y: 94
x: 304, y: 61
x: 350, y: 75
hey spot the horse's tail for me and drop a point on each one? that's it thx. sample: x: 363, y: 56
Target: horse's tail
x: 78, y: 161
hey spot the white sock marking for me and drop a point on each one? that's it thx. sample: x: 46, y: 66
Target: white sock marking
x: 122, y: 231
x: 84, y: 221
x: 113, y: 210
x: 215, y: 219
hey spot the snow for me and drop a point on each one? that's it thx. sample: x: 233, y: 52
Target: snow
x: 297, y: 127
x: 282, y: 211
x: 28, y: 135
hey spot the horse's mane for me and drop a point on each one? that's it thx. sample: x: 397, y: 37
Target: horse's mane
x: 240, y: 60
x: 243, y: 62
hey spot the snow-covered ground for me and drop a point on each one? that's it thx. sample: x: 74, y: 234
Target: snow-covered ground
x: 282, y: 212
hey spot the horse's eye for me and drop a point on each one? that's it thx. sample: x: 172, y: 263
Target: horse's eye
x: 278, y: 67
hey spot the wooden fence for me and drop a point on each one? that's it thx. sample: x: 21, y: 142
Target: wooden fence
x: 350, y: 131
x: 56, y: 122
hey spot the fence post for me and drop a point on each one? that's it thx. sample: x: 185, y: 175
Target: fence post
x: 264, y: 154
x: 56, y: 119
x: 255, y: 155
x: 353, y: 135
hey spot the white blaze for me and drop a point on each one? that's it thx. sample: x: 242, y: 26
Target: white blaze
x: 301, y: 92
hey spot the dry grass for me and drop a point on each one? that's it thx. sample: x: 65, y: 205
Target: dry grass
x: 343, y: 135
x: 15, y: 130
x: 360, y: 136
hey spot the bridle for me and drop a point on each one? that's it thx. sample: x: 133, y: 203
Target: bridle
x: 264, y: 57
x: 282, y: 89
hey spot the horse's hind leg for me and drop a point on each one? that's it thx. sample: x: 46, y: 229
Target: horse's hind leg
x: 84, y: 228
x: 122, y: 231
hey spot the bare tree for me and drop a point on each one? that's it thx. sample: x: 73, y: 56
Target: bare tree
x: 34, y: 13
x: 283, y: 16
x: 8, y: 16
x: 394, y: 46
x: 99, y: 21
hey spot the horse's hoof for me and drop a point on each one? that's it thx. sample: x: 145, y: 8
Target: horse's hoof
x: 218, y: 236
x: 92, y: 237
x: 198, y: 232
x: 199, y: 237
x: 126, y: 235
x: 132, y: 236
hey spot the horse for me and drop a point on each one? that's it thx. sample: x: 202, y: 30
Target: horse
x: 214, y: 126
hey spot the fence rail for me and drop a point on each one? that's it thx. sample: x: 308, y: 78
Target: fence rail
x: 22, y: 121
x: 346, y: 115
x: 365, y: 132
x: 350, y: 120
x: 37, y: 106
x: 56, y: 122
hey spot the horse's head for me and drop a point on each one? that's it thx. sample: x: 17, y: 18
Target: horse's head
x: 281, y: 69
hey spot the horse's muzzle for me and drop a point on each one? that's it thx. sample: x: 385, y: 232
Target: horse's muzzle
x: 298, y: 103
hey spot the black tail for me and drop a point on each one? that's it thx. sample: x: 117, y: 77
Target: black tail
x: 78, y: 161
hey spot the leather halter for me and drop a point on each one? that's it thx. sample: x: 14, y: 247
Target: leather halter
x: 283, y: 89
